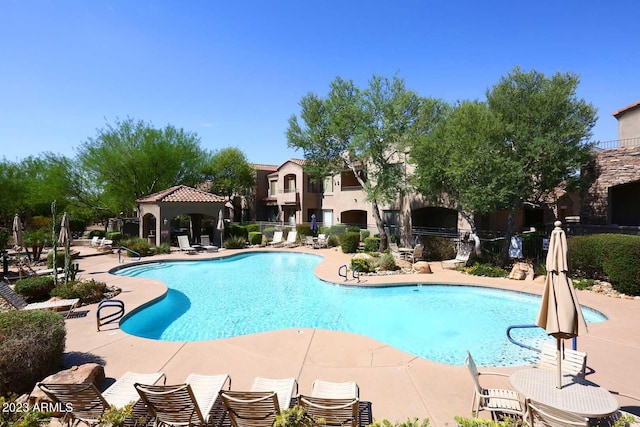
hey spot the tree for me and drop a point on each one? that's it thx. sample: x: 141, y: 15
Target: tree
x: 131, y: 159
x: 230, y: 173
x: 547, y: 128
x: 463, y: 162
x: 364, y: 131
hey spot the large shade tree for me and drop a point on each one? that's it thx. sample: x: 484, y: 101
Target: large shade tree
x: 365, y: 131
x: 131, y: 159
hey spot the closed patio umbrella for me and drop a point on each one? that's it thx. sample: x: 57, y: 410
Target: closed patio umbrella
x: 560, y: 313
x: 220, y: 225
x: 17, y: 232
x: 64, y: 239
x: 314, y: 224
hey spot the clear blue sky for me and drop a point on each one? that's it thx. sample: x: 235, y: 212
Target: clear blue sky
x: 233, y: 72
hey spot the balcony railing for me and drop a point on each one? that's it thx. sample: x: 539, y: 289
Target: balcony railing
x: 618, y: 143
x: 289, y: 196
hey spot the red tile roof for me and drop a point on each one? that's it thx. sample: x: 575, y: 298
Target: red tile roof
x: 181, y: 194
x: 626, y: 109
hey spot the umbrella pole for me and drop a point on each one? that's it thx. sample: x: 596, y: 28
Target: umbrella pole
x: 559, y: 358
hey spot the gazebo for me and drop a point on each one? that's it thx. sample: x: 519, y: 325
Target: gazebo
x: 157, y: 210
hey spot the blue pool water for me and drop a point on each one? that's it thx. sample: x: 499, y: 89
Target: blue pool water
x: 259, y: 292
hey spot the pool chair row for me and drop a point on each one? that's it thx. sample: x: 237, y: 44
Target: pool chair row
x: 205, y: 400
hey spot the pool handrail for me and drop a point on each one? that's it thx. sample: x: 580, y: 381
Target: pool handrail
x: 121, y: 248
x: 528, y: 347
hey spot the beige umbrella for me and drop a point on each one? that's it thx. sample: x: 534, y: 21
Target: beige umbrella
x: 560, y: 313
x: 17, y: 232
x: 220, y: 225
x: 64, y: 239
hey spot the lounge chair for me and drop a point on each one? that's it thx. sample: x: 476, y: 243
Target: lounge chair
x: 542, y: 415
x: 105, y: 245
x: 461, y: 259
x: 498, y: 401
x: 323, y: 240
x: 277, y: 238
x: 417, y: 254
x: 285, y: 389
x: 95, y: 241
x: 395, y: 250
x: 310, y: 242
x: 573, y: 363
x: 337, y: 403
x: 19, y: 303
x: 292, y: 239
x: 185, y: 246
x: 251, y: 408
x: 87, y: 404
x: 206, y: 244
x: 183, y: 404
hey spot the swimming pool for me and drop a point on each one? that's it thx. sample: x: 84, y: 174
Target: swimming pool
x: 264, y: 291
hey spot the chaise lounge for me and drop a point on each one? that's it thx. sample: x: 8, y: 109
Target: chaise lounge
x: 16, y: 300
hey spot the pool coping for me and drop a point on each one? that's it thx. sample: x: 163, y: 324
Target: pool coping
x: 398, y: 384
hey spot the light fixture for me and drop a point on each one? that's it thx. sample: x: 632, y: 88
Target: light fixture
x: 165, y: 221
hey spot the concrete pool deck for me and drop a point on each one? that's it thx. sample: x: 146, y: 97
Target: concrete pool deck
x: 398, y: 385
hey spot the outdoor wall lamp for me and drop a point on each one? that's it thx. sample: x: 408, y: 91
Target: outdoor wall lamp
x: 165, y: 221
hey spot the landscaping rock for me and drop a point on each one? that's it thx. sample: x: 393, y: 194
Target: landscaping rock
x: 422, y: 267
x: 364, y: 256
x: 522, y: 271
x: 88, y: 372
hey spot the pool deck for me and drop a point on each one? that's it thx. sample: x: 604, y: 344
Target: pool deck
x: 397, y: 384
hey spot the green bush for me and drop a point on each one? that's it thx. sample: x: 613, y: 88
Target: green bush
x: 437, y: 248
x: 163, y: 248
x: 371, y: 244
x: 32, y: 348
x: 350, y: 242
x: 268, y: 232
x: 304, y: 230
x: 353, y: 229
x: 337, y: 230
x: 387, y: 262
x: 232, y: 230
x: 481, y: 422
x: 255, y: 237
x: 89, y: 291
x: 138, y: 245
x: 35, y: 288
x: 77, y: 226
x: 235, y: 242
x: 4, y: 238
x: 364, y: 234
x: 614, y: 257
x: 362, y: 265
x: 59, y: 259
x: 99, y: 233
x: 333, y: 241
x: 114, y: 236
x: 394, y: 238
x: 532, y: 245
x: 252, y: 228
x: 488, y: 270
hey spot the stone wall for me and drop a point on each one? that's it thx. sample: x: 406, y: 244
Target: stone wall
x: 607, y: 169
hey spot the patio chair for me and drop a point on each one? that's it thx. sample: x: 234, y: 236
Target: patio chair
x: 328, y: 389
x: 573, y: 363
x: 323, y: 240
x: 183, y: 404
x: 395, y: 250
x: 185, y: 246
x: 251, y: 408
x: 338, y: 403
x: 277, y: 238
x: 205, y: 243
x: 498, y: 401
x: 461, y: 259
x: 292, y: 239
x: 17, y: 301
x: 542, y: 415
x: 417, y: 254
x: 310, y: 242
x: 95, y: 241
x: 85, y: 402
x: 285, y: 389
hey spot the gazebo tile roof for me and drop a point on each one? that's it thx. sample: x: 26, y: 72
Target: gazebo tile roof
x: 182, y: 194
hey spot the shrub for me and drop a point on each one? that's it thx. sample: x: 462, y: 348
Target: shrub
x: 371, y: 244
x: 77, y: 226
x: 255, y: 237
x: 99, y: 233
x: 89, y: 291
x: 138, y: 245
x: 235, y: 242
x: 481, y: 422
x: 35, y: 288
x: 59, y: 259
x: 586, y: 257
x: 32, y: 347
x: 362, y: 265
x: 394, y: 238
x: 350, y: 242
x: 364, y: 234
x: 333, y: 241
x: 488, y: 270
x: 21, y: 417
x: 164, y: 248
x: 268, y: 232
x: 353, y: 229
x: 437, y: 248
x: 304, y: 230
x: 232, y: 230
x: 115, y: 236
x: 410, y: 422
x: 337, y: 230
x: 387, y: 262
x: 4, y: 238
x: 296, y: 416
x: 252, y: 228
x: 532, y: 245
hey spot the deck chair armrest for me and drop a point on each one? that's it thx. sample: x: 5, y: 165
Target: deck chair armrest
x: 317, y: 405
x: 498, y: 374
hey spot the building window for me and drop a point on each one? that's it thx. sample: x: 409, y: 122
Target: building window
x: 273, y: 187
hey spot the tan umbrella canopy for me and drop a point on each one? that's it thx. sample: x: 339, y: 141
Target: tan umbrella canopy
x: 65, y: 231
x: 17, y: 232
x: 220, y: 225
x: 560, y: 313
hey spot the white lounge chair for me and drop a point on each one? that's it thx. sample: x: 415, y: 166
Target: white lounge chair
x: 285, y: 389
x: 95, y: 241
x: 185, y: 246
x: 496, y: 401
x: 251, y: 408
x: 310, y: 242
x: 461, y: 259
x: 206, y: 244
x: 277, y: 238
x: 573, y: 363
x: 337, y: 403
x: 87, y: 404
x: 546, y: 416
x: 323, y: 240
x: 292, y: 239
x: 183, y: 404
x: 16, y: 300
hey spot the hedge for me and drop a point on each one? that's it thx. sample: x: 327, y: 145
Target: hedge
x: 371, y: 244
x: 614, y: 257
x: 350, y: 242
x: 31, y: 349
x: 255, y: 237
x: 35, y: 289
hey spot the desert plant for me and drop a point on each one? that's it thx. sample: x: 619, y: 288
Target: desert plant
x: 480, y: 269
x: 138, y: 245
x: 296, y: 416
x: 32, y: 347
x: 410, y: 422
x: 304, y: 229
x: 251, y: 228
x: 255, y: 237
x: 89, y: 291
x: 235, y: 242
x: 36, y: 240
x: 162, y: 248
x: 481, y: 422
x: 35, y: 288
x: 116, y: 417
x: 333, y: 241
x: 362, y: 265
x: 387, y: 262
x: 350, y: 242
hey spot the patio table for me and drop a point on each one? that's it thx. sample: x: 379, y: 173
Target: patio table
x: 577, y: 395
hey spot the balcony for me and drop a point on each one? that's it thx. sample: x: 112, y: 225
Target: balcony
x: 618, y: 143
x: 289, y: 197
